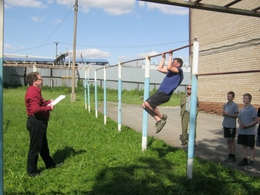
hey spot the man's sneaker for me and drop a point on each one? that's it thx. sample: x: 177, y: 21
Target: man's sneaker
x: 242, y: 163
x: 164, y: 117
x: 159, y: 125
x: 230, y: 159
x: 250, y: 165
x: 184, y: 143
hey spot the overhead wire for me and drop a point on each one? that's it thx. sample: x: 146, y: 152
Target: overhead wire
x: 52, y: 32
x: 127, y: 46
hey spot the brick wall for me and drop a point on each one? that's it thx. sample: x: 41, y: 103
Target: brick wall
x: 228, y: 43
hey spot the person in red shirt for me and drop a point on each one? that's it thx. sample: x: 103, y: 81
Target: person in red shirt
x: 38, y: 111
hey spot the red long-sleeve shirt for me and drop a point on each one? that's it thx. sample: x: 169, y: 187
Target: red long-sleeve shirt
x: 35, y: 104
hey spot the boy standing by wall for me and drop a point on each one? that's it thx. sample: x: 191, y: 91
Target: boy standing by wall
x: 247, y: 120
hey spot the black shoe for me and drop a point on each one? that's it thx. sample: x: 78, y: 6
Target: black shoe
x: 37, y: 174
x: 250, y: 165
x: 55, y: 166
x: 231, y: 159
x: 184, y: 143
x: 242, y: 163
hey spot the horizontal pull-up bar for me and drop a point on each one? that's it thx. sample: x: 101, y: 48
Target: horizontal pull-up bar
x: 171, y: 51
x: 132, y: 60
x: 138, y: 59
x: 235, y: 72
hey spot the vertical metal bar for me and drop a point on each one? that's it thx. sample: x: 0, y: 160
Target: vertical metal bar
x: 146, y: 95
x: 193, y: 109
x: 96, y: 95
x: 88, y: 91
x: 105, y: 96
x: 85, y: 89
x: 119, y: 96
x: 1, y: 93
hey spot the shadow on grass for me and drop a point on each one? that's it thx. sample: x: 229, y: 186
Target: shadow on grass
x: 63, y: 154
x: 153, y: 176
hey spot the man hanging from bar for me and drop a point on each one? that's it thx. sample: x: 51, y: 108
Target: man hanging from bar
x: 172, y: 79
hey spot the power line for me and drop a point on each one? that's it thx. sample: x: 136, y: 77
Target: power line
x: 127, y: 46
x: 112, y: 47
x: 36, y: 47
x: 51, y: 33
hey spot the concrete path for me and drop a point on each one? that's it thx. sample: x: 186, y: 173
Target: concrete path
x: 210, y: 142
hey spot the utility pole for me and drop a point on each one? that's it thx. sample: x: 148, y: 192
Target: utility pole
x: 73, y: 94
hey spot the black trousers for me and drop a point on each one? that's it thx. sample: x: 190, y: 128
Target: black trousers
x: 38, y: 144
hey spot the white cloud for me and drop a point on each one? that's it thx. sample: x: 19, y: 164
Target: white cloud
x: 117, y: 7
x: 36, y: 19
x: 92, y: 53
x: 113, y: 7
x: 167, y: 9
x: 24, y: 3
x: 8, y: 46
x: 122, y: 58
x: 57, y: 21
x: 9, y: 20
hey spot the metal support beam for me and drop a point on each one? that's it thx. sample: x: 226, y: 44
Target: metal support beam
x: 254, y: 10
x: 232, y: 3
x: 207, y: 7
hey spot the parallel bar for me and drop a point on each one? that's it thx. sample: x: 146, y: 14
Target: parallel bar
x: 235, y: 72
x: 232, y: 3
x: 207, y: 7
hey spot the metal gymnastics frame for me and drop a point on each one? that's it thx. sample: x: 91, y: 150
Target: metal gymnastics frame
x: 146, y: 91
x: 210, y: 7
x: 196, y: 4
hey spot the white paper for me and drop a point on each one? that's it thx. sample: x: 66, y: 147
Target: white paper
x: 57, y: 100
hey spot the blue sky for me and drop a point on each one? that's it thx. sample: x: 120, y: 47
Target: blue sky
x: 114, y: 30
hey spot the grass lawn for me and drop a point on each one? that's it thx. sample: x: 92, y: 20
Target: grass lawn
x: 99, y: 160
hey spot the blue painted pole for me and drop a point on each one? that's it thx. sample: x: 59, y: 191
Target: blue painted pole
x: 146, y: 95
x: 119, y: 96
x: 105, y: 96
x: 96, y: 95
x: 193, y: 108
x: 1, y: 94
x: 88, y: 91
x: 85, y: 90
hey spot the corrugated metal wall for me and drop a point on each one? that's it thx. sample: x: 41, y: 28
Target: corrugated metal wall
x: 132, y: 77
